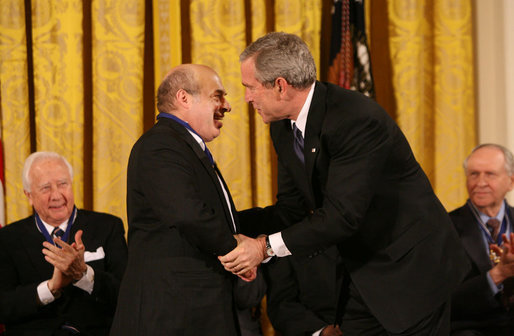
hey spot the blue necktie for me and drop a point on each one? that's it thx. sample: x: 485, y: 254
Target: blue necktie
x: 298, y: 143
x: 209, y: 155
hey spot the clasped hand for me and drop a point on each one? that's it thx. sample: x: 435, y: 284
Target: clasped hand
x: 68, y: 261
x: 244, y: 259
x: 505, y: 268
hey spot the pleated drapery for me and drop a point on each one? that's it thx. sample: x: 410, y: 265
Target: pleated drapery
x: 432, y: 63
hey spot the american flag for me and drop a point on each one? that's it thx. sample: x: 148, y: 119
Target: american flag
x: 350, y: 62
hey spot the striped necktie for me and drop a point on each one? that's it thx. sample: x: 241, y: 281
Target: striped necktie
x: 298, y: 143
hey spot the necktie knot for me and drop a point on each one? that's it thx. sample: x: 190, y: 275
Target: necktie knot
x: 298, y: 143
x: 493, y: 225
x: 57, y: 232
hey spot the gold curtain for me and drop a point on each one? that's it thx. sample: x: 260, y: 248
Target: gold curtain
x: 167, y: 37
x: 118, y: 45
x: 432, y: 63
x: 14, y: 104
x: 58, y: 82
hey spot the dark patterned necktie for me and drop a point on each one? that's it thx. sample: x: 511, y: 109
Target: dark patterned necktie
x: 57, y: 232
x: 298, y: 143
x: 493, y: 225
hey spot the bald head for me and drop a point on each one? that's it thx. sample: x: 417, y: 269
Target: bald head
x: 180, y: 77
x: 194, y: 93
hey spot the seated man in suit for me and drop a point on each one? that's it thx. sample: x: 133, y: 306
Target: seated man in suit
x: 479, y: 305
x: 60, y: 268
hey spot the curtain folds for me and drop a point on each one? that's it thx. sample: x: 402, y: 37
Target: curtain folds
x: 58, y: 83
x: 432, y: 63
x: 14, y: 104
x: 117, y: 72
x: 167, y: 37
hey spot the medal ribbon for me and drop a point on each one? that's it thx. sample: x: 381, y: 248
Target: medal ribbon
x: 45, y: 233
x: 186, y: 125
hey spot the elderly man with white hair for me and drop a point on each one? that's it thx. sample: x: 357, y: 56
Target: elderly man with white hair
x: 483, y: 304
x: 60, y: 268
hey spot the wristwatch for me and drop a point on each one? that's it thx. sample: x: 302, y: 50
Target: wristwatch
x: 269, y: 250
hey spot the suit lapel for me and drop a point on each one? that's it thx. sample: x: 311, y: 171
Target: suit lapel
x: 225, y: 206
x: 206, y: 163
x: 284, y: 142
x: 472, y: 240
x: 33, y: 243
x: 313, y: 128
x: 79, y: 224
x: 282, y: 136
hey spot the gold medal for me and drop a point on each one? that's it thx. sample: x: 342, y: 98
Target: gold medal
x: 494, y: 257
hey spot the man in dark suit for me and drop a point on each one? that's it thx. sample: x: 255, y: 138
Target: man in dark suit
x: 303, y: 293
x: 344, y: 162
x: 60, y: 291
x: 481, y: 305
x: 180, y: 217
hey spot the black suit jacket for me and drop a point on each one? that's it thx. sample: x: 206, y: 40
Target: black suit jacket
x: 364, y: 191
x: 473, y: 303
x: 23, y: 268
x: 179, y: 222
x: 303, y: 291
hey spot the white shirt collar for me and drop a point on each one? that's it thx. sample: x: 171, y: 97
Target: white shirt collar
x: 301, y: 120
x: 50, y: 228
x: 198, y: 139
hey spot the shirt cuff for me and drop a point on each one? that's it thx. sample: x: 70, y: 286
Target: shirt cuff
x: 495, y: 289
x: 87, y: 282
x: 278, y: 245
x: 44, y: 294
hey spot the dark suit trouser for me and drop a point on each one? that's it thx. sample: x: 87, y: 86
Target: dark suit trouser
x: 358, y: 320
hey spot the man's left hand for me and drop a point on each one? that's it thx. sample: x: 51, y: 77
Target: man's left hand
x: 69, y: 259
x: 248, y: 254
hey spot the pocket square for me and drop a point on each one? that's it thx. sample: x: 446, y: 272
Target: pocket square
x: 98, y: 254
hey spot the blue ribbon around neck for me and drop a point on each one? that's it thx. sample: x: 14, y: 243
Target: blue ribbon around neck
x: 47, y: 235
x: 186, y: 125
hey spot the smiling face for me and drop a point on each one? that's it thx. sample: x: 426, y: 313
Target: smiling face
x: 209, y: 107
x: 51, y: 192
x: 487, y: 180
x: 266, y: 101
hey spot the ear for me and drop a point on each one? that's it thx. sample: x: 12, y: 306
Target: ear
x: 29, y: 196
x: 183, y: 98
x: 281, y: 85
x: 511, y: 182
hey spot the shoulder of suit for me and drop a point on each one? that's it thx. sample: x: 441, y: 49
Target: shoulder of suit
x: 461, y: 217
x: 460, y: 212
x: 95, y: 216
x: 18, y: 226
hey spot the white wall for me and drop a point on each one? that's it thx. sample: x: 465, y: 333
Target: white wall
x: 494, y: 51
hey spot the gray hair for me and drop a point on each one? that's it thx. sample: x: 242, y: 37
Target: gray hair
x: 507, y: 154
x: 40, y: 156
x: 284, y: 55
x: 182, y: 78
